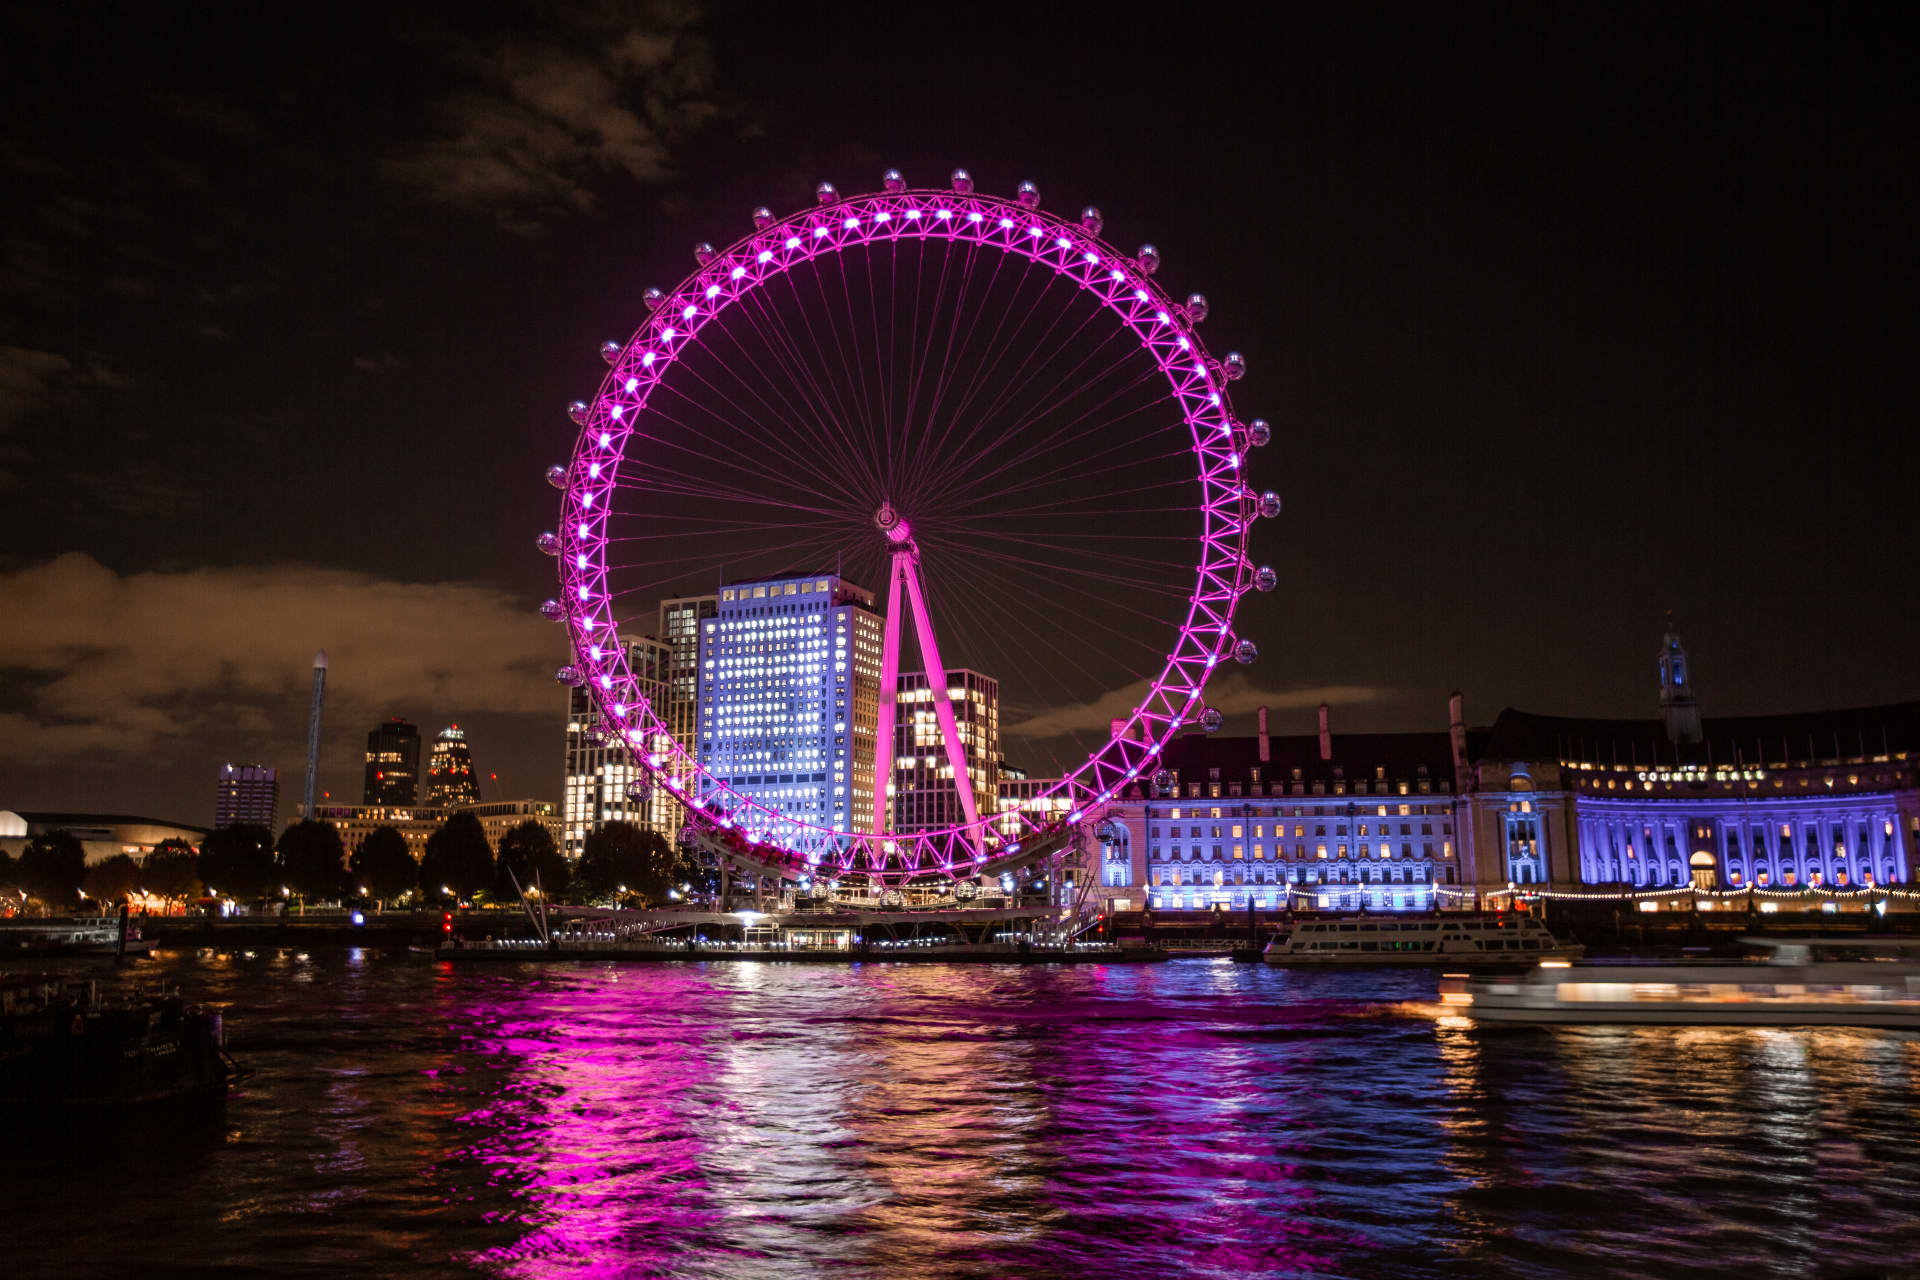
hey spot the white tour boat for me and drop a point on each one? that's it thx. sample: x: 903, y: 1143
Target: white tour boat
x: 1506, y: 940
x: 1798, y: 982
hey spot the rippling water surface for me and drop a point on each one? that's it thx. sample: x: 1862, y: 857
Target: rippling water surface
x: 1190, y: 1118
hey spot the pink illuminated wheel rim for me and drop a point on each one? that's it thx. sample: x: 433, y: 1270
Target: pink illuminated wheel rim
x: 766, y: 398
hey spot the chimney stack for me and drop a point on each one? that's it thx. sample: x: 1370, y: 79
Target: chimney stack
x: 1457, y: 730
x: 1326, y: 735
x: 1266, y: 744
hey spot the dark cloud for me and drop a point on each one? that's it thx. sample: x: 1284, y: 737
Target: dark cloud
x: 30, y: 381
x: 539, y: 125
x: 125, y: 665
x: 34, y: 384
x: 1232, y: 693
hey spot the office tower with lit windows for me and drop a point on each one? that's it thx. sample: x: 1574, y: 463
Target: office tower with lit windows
x: 602, y: 784
x: 789, y: 700
x: 393, y: 764
x: 924, y: 797
x: 679, y: 709
x: 248, y: 793
x: 450, y: 776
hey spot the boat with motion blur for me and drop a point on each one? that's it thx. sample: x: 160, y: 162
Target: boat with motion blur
x: 1479, y: 940
x: 1806, y: 982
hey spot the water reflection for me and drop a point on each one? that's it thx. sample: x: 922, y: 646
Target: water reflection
x: 905, y: 1121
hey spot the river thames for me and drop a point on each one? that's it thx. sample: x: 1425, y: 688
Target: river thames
x: 1190, y: 1118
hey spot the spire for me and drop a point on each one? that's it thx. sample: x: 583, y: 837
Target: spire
x: 313, y: 733
x: 1678, y: 706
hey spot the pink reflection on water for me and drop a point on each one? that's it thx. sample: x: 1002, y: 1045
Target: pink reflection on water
x: 597, y: 1124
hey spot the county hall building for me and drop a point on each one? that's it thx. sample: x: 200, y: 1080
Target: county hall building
x: 1827, y: 800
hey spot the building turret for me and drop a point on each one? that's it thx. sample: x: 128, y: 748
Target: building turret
x: 1678, y: 707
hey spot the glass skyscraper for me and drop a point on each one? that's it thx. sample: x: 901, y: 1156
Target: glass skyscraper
x: 393, y: 764
x: 248, y: 793
x: 679, y: 704
x: 789, y: 700
x: 600, y: 772
x: 924, y: 796
x: 450, y: 776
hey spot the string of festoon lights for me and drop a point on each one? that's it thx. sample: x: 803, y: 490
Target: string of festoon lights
x: 1869, y: 892
x: 1528, y: 894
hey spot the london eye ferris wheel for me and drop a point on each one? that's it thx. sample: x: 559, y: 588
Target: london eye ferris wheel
x: 979, y: 427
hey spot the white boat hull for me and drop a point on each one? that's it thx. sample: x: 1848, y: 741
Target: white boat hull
x: 1685, y: 1014
x: 1421, y: 959
x: 1452, y: 941
x: 1795, y: 989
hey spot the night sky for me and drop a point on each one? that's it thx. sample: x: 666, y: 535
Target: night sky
x: 1564, y: 317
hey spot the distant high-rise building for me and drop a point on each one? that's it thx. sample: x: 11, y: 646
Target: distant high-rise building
x: 680, y: 620
x: 393, y: 764
x: 924, y: 796
x: 450, y: 777
x: 601, y: 779
x: 790, y: 696
x: 313, y: 732
x: 247, y: 793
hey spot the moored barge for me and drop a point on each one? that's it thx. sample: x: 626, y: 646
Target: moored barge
x: 63, y: 1044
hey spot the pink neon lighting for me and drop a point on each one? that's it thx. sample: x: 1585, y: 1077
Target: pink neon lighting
x: 1195, y: 389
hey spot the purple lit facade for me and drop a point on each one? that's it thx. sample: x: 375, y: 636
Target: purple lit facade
x: 1822, y: 800
x: 1824, y: 803
x: 1308, y: 821
x: 248, y: 793
x: 1815, y: 808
